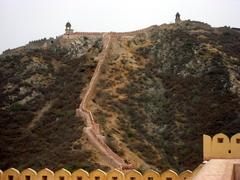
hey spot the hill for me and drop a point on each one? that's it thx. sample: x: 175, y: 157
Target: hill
x: 159, y: 91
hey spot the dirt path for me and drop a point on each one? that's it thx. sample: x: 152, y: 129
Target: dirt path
x: 45, y: 108
x: 92, y: 130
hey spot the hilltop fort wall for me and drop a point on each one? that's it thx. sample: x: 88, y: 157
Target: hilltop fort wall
x: 40, y: 44
x: 45, y: 43
x: 79, y: 34
x: 13, y: 51
x: 32, y: 45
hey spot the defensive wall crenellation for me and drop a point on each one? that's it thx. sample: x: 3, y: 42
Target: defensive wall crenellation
x: 36, y: 44
x: 221, y: 146
x: 44, y: 42
x: 40, y: 44
x: 13, y: 51
x: 130, y: 33
x: 38, y: 41
x: 80, y: 174
x: 216, y: 147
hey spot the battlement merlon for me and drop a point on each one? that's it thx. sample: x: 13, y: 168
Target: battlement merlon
x: 68, y: 29
x: 221, y: 146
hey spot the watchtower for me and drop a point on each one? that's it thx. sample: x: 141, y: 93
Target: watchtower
x: 177, y: 19
x: 68, y: 29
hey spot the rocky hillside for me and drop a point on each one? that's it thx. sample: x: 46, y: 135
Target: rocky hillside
x: 159, y: 91
x: 40, y: 91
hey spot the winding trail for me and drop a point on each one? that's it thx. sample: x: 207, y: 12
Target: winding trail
x: 92, y: 130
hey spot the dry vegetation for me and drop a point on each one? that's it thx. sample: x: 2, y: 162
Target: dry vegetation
x: 39, y: 94
x: 173, y: 84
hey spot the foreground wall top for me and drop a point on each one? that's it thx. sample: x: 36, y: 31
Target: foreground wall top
x: 221, y: 146
x: 63, y: 174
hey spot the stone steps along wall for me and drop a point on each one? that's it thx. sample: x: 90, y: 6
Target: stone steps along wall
x: 80, y: 174
x: 97, y: 143
x: 93, y: 131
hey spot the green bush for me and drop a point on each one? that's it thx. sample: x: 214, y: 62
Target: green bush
x: 16, y: 107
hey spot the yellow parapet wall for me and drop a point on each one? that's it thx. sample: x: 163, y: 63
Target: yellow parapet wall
x: 11, y: 174
x: 115, y: 174
x: 1, y: 174
x: 63, y: 174
x: 221, y: 146
x: 44, y: 174
x: 151, y: 175
x: 28, y: 174
x: 80, y: 174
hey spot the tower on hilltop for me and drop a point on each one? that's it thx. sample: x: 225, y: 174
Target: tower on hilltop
x: 68, y: 29
x: 177, y: 19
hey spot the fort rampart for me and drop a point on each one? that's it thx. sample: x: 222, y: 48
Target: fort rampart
x: 80, y: 174
x: 221, y: 146
x: 79, y: 34
x: 216, y: 147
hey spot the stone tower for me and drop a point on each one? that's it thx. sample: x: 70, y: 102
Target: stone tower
x: 68, y: 29
x: 177, y: 19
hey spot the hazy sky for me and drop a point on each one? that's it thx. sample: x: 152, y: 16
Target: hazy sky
x: 26, y: 20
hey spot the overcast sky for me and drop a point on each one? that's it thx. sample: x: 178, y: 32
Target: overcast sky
x: 26, y: 20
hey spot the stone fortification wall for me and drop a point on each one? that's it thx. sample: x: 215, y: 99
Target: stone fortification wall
x: 40, y: 44
x: 79, y: 34
x: 80, y: 174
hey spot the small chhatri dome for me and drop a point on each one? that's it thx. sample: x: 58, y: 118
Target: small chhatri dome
x: 177, y: 15
x: 68, y: 25
x: 177, y: 19
x: 68, y: 29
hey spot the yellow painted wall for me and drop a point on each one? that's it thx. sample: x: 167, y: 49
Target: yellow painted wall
x: 212, y: 148
x: 115, y: 175
x: 220, y: 150
x: 45, y: 172
x: 221, y: 147
x: 169, y: 174
x: 28, y: 172
x: 97, y: 175
x: 151, y: 175
x: 80, y: 174
x: 11, y: 172
x: 62, y: 174
x: 1, y: 174
x: 133, y: 175
x: 186, y: 175
x: 207, y: 145
x: 235, y: 146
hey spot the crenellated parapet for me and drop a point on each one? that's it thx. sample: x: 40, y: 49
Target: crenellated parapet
x: 29, y: 173
x: 74, y: 35
x: 38, y: 41
x: 40, y: 44
x: 221, y: 146
x: 80, y: 174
